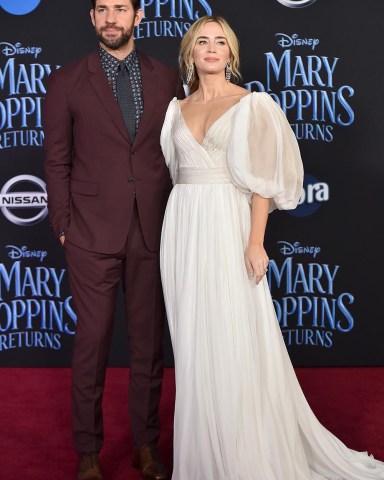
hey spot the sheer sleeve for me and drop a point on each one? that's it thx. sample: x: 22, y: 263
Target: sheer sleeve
x: 166, y: 140
x: 263, y: 154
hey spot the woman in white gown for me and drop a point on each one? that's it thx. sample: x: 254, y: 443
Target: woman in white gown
x: 240, y: 413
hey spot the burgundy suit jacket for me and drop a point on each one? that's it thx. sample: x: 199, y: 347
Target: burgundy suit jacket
x: 93, y: 172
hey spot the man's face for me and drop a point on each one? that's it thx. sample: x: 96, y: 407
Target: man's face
x: 114, y: 21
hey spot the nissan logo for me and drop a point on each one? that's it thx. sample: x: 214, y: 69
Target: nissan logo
x: 31, y: 198
x: 296, y: 3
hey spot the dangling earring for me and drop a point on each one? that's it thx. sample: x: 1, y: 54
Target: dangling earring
x: 189, y: 74
x: 228, y: 72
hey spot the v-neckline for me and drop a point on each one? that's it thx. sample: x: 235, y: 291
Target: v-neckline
x: 212, y: 125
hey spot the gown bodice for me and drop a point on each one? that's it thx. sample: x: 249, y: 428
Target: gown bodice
x: 267, y: 163
x: 212, y: 152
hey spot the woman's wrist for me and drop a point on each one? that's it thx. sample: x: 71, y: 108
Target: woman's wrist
x: 257, y: 243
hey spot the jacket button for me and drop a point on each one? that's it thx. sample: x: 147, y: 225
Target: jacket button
x: 131, y: 180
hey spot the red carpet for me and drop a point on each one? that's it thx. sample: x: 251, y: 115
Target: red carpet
x: 36, y: 443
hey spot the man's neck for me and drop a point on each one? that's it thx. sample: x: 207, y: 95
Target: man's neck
x: 120, y: 53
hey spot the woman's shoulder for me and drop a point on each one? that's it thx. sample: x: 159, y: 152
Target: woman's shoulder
x: 252, y: 103
x: 171, y: 109
x: 246, y: 96
x: 256, y: 99
x: 173, y: 103
x: 189, y: 99
x: 253, y: 95
x: 237, y: 90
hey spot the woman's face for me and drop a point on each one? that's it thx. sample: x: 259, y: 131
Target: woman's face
x: 211, y: 51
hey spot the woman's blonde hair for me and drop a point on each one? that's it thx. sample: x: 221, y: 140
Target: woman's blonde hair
x: 189, y: 41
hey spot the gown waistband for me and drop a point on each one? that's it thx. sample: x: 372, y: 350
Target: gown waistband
x: 203, y: 175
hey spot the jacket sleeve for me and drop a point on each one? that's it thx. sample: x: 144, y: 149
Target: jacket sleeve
x: 58, y: 146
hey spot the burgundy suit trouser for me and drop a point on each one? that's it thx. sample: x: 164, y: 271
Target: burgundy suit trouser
x: 94, y: 281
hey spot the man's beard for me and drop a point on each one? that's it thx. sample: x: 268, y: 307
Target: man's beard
x: 117, y: 42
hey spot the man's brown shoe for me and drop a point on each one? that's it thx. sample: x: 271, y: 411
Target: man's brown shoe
x: 89, y: 468
x: 146, y: 459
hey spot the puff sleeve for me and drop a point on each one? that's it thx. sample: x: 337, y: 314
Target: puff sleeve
x: 263, y: 154
x: 166, y: 141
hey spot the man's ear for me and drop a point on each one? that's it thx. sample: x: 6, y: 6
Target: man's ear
x: 138, y: 16
x: 92, y: 14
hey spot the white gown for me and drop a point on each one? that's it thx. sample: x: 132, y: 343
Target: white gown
x: 240, y: 413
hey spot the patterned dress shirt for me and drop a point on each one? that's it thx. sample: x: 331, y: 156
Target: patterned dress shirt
x: 111, y: 66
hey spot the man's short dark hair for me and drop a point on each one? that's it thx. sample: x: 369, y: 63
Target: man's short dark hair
x: 135, y: 4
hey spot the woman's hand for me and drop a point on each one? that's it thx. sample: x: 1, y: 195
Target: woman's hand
x: 256, y: 261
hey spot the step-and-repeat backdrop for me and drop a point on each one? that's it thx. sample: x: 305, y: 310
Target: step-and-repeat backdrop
x: 321, y: 61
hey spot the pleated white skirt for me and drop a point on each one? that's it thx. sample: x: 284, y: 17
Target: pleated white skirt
x: 240, y: 413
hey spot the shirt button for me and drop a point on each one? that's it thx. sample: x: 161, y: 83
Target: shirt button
x: 131, y: 180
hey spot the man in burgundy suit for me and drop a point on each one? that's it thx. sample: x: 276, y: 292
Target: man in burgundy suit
x: 107, y: 190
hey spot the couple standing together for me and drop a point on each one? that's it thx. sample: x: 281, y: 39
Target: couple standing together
x: 109, y: 119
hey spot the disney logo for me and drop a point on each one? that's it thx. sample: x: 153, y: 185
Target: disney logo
x: 10, y: 50
x: 286, y: 41
x: 16, y: 253
x: 295, y: 248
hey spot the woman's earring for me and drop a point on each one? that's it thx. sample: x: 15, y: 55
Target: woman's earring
x: 189, y: 74
x: 228, y: 72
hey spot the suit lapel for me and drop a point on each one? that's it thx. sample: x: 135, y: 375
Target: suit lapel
x: 149, y: 83
x: 104, y: 91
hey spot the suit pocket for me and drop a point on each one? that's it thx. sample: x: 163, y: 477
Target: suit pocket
x: 84, y: 188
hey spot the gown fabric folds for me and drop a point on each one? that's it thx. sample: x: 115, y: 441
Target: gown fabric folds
x: 240, y: 413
